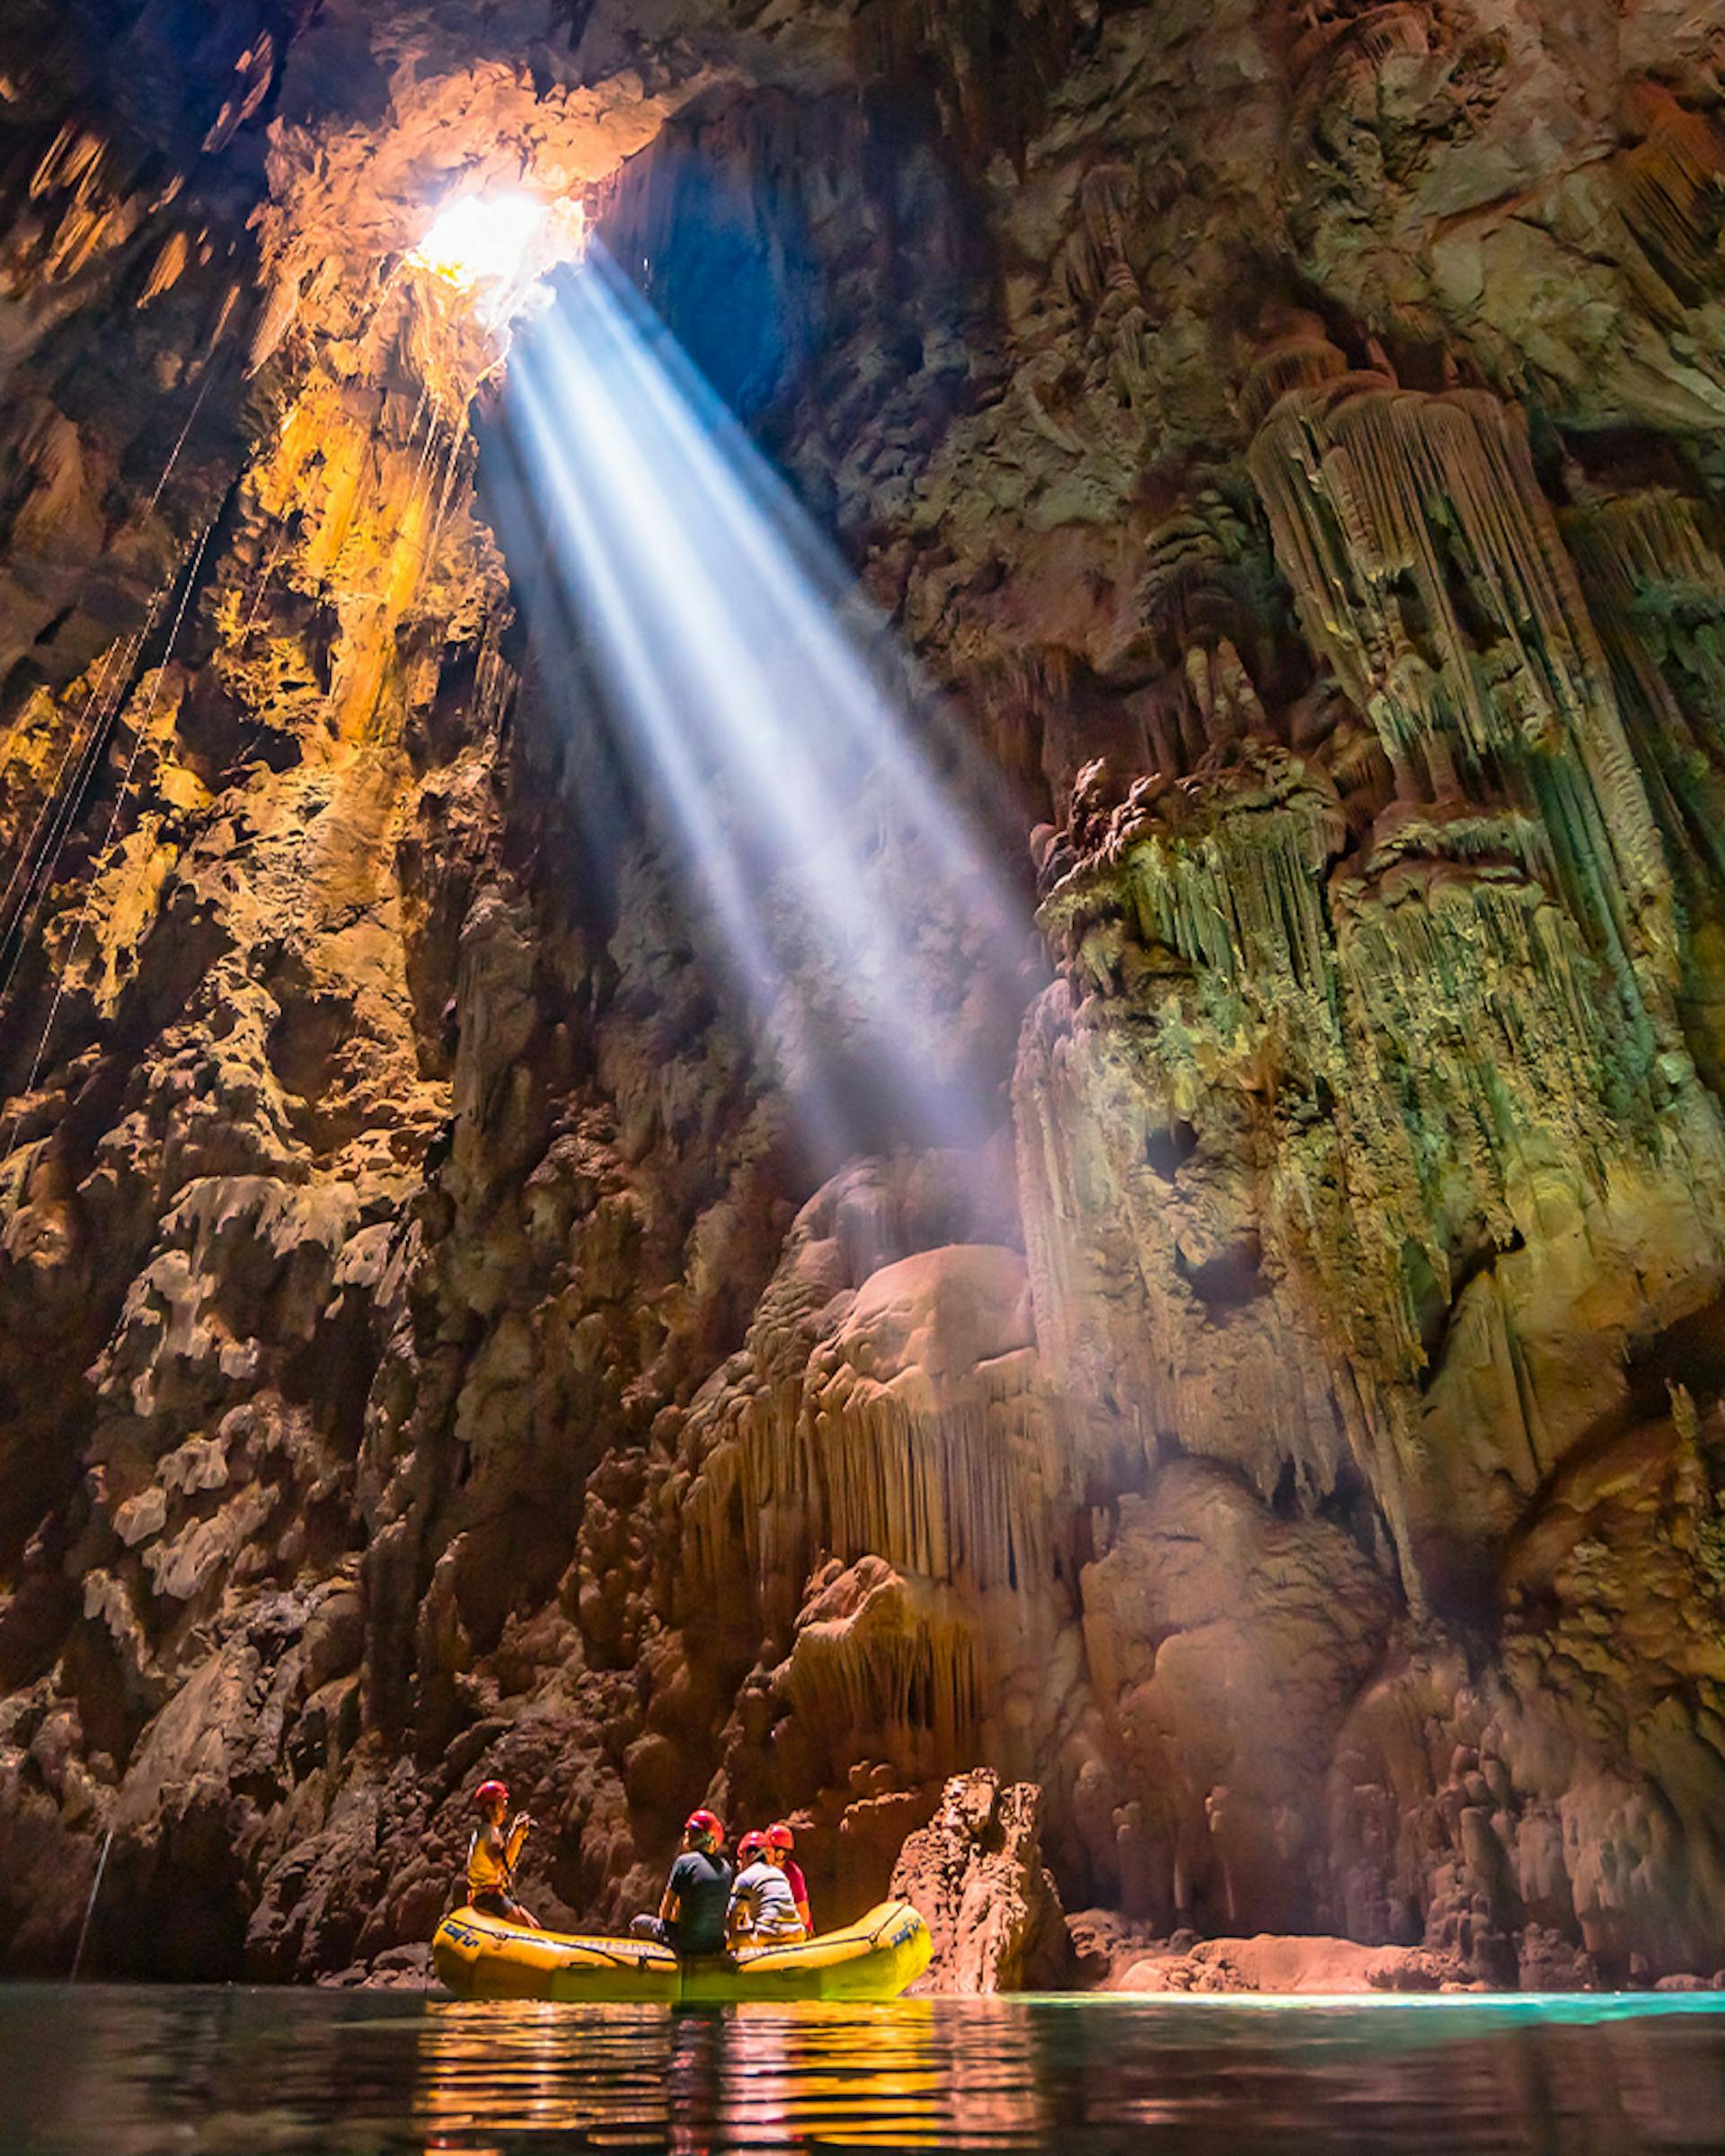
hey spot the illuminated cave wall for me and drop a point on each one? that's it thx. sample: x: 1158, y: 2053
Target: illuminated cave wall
x: 1292, y: 437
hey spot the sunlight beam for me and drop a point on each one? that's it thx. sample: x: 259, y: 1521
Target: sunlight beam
x: 743, y: 681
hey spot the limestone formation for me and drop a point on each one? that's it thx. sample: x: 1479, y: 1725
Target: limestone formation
x: 975, y: 1872
x: 1268, y: 1486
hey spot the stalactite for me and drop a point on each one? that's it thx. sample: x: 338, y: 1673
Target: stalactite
x: 908, y: 1674
x: 168, y: 267
x: 277, y: 317
x: 997, y: 60
x: 1207, y: 581
x: 1236, y: 891
x: 76, y: 207
x: 1654, y: 577
x: 1656, y: 582
x: 1424, y: 980
x: 1671, y: 185
x: 1473, y: 975
x: 959, y: 1492
x: 1094, y: 264
x: 1367, y: 486
x: 71, y: 159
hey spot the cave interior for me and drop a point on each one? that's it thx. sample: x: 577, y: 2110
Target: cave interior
x: 864, y: 958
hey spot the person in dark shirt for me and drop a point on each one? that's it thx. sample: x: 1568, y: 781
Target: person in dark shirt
x: 691, y: 1917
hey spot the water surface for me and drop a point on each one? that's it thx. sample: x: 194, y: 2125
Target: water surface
x: 185, y: 2071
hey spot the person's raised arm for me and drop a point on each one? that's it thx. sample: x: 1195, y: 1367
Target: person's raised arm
x: 517, y: 1834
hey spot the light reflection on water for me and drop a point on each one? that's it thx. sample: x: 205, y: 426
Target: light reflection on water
x: 206, y: 2073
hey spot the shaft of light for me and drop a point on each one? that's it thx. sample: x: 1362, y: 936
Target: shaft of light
x: 753, y: 698
x: 656, y: 736
x: 850, y: 646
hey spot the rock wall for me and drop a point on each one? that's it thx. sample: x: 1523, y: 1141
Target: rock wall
x: 427, y: 1347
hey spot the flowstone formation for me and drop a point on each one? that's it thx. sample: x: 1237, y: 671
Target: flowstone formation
x: 1271, y: 1486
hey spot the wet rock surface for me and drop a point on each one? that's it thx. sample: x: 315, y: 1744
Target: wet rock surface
x: 1285, y: 1461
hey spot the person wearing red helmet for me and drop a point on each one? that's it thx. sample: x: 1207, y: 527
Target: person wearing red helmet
x: 751, y: 1851
x: 782, y: 1841
x: 492, y: 1855
x: 691, y: 1917
x: 761, y: 1912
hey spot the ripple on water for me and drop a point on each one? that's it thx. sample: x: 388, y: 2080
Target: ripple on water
x: 205, y: 2072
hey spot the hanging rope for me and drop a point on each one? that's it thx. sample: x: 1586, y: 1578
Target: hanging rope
x: 52, y: 796
x: 174, y: 454
x: 65, y: 818
x: 90, y: 1906
x: 138, y: 741
x: 263, y: 583
x: 65, y: 807
x: 59, y: 808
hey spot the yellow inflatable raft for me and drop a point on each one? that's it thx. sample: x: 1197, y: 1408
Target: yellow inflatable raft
x: 482, y: 1957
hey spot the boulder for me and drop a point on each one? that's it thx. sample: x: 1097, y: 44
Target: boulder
x: 1276, y: 1963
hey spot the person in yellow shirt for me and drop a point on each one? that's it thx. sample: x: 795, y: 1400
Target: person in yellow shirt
x: 492, y: 1855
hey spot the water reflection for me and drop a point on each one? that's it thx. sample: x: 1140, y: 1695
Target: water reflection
x: 764, y: 2076
x: 1582, y: 2078
x: 508, y: 2070
x: 126, y: 2073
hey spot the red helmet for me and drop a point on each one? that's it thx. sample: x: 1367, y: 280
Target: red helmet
x: 702, y: 1824
x: 749, y: 1846
x: 488, y: 1792
x: 779, y: 1836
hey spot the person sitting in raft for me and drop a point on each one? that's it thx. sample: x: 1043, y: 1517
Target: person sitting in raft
x: 780, y: 1839
x: 492, y: 1855
x: 691, y: 1917
x: 762, y: 1913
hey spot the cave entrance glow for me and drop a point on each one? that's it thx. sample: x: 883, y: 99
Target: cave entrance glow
x: 478, y: 239
x: 809, y: 790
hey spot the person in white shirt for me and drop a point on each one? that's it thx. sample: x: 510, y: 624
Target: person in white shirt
x: 763, y: 1911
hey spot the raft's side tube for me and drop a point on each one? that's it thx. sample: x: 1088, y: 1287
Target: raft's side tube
x: 480, y: 1958
x: 877, y: 1958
